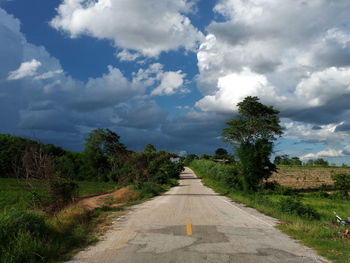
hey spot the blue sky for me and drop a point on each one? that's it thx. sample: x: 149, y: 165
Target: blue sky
x: 170, y: 73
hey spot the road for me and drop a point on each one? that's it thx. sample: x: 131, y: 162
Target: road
x: 191, y: 223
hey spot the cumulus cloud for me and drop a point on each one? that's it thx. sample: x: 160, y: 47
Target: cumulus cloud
x: 49, y: 74
x: 140, y: 114
x: 126, y: 55
x: 234, y: 87
x: 301, y: 66
x: 328, y: 153
x: 51, y: 105
x: 110, y: 89
x: 309, y: 133
x: 324, y: 86
x: 170, y: 83
x: 26, y: 69
x: 123, y: 21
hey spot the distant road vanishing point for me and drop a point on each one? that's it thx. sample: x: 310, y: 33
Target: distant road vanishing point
x: 191, y: 223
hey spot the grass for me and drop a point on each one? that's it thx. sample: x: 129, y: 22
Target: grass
x: 13, y: 195
x: 323, y: 234
x: 28, y: 235
x: 95, y: 188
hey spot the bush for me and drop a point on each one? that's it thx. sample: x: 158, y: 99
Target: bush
x: 341, y: 181
x: 150, y: 189
x: 22, y: 236
x: 294, y: 206
x: 63, y: 192
x: 223, y: 173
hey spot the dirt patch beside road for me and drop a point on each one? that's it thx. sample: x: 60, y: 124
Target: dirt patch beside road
x: 113, y: 199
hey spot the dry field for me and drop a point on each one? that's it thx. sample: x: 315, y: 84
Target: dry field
x: 306, y: 177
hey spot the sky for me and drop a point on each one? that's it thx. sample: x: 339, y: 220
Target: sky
x: 171, y: 73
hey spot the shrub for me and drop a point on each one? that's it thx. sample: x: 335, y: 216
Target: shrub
x: 294, y: 206
x: 63, y: 192
x: 22, y: 236
x: 341, y: 181
x: 223, y: 173
x: 150, y: 189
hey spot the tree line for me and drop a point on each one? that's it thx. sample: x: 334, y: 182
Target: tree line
x: 286, y: 160
x: 104, y: 158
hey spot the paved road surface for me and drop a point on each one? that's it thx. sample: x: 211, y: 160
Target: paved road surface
x: 191, y: 223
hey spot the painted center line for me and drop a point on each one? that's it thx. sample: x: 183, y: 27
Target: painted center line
x: 189, y: 229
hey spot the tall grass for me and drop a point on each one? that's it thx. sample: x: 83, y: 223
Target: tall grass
x: 28, y: 235
x: 305, y: 216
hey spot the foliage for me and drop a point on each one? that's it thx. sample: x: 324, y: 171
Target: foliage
x: 205, y: 156
x: 342, y: 182
x: 296, y: 207
x: 252, y: 131
x: 317, y: 162
x: 103, y: 152
x: 285, y: 160
x: 227, y: 174
x: 150, y: 148
x: 221, y: 153
x: 12, y: 149
x: 189, y: 158
x: 254, y: 122
x: 317, y: 232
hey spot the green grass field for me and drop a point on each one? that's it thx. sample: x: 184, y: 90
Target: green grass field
x: 323, y: 234
x: 14, y: 195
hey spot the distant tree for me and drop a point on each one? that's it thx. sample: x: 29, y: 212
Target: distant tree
x: 220, y: 153
x: 277, y: 160
x: 309, y: 162
x: 150, y: 148
x: 189, y: 158
x: 205, y: 156
x: 252, y: 132
x: 296, y: 161
x: 321, y: 162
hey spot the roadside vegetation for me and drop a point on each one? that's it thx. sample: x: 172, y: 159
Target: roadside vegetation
x: 306, y: 216
x: 45, y: 214
x: 249, y: 177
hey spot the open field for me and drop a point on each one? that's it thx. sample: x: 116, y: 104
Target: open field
x: 306, y: 177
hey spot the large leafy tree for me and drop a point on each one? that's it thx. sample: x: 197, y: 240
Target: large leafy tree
x: 252, y: 132
x: 103, y: 152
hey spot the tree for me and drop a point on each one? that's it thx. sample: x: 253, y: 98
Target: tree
x: 220, y: 153
x: 150, y: 148
x: 205, y: 156
x: 103, y: 153
x: 321, y: 162
x: 285, y: 160
x: 252, y: 132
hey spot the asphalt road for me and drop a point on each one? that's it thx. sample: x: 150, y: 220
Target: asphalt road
x: 191, y: 223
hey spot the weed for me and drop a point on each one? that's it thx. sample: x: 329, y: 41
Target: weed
x: 294, y: 206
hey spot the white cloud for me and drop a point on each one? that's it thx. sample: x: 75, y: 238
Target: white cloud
x: 310, y: 133
x: 328, y: 153
x: 126, y: 55
x: 26, y: 69
x: 170, y: 83
x: 324, y: 86
x: 49, y: 74
x: 294, y: 64
x: 234, y: 87
x: 149, y: 27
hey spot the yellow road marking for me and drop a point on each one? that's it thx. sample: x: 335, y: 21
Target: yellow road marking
x: 189, y: 229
